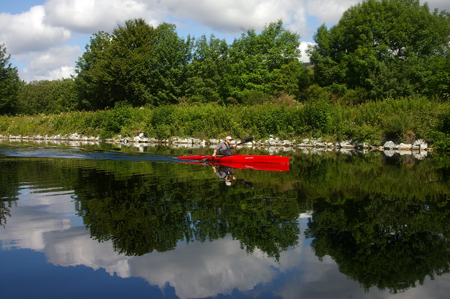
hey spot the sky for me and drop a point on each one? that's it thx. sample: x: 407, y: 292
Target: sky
x: 46, y: 37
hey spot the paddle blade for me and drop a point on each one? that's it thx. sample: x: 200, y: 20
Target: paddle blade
x: 247, y: 139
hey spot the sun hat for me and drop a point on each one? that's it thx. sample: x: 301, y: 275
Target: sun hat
x: 229, y: 138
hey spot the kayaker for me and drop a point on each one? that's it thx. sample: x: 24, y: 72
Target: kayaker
x: 224, y: 148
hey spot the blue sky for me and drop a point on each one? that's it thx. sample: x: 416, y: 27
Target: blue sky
x: 46, y: 37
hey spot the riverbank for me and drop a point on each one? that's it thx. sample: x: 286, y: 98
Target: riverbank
x: 409, y: 124
x: 273, y: 144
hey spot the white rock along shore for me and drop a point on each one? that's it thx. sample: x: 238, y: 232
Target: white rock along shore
x: 273, y: 143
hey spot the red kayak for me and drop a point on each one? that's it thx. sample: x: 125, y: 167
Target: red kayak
x: 239, y: 159
x: 254, y: 166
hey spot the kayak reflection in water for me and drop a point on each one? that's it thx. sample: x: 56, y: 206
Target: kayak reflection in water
x: 224, y: 148
x: 224, y: 173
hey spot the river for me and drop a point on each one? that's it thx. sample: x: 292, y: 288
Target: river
x: 110, y: 221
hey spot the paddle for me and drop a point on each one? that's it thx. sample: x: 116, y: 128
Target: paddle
x: 245, y: 140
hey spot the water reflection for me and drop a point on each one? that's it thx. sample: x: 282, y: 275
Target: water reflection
x: 141, y: 214
x: 378, y: 223
x: 385, y: 241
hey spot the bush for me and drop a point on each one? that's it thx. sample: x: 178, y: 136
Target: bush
x: 254, y: 97
x: 318, y: 116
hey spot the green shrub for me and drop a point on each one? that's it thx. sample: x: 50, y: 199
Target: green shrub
x: 318, y: 116
x: 115, y: 120
x: 255, y: 97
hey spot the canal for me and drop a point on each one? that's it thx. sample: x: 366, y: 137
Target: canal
x: 108, y: 221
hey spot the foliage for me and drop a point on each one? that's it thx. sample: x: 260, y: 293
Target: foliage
x: 9, y: 84
x: 265, y: 62
x: 48, y: 97
x: 385, y: 47
x: 136, y: 64
x: 204, y: 75
x: 375, y: 234
x: 373, y: 121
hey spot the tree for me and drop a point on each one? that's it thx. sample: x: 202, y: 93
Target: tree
x: 116, y: 68
x: 375, y: 43
x: 89, y: 83
x: 205, y: 73
x: 47, y: 97
x: 137, y: 64
x: 171, y: 56
x: 9, y: 83
x: 256, y: 60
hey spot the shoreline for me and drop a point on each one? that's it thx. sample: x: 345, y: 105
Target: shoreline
x: 274, y: 145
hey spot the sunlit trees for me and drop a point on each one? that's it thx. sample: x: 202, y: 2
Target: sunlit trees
x: 382, y: 46
x: 9, y: 83
x: 116, y: 67
x: 47, y: 97
x: 137, y: 64
x: 205, y: 74
x: 257, y: 62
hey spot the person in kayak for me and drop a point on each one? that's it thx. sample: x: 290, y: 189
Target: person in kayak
x: 224, y: 148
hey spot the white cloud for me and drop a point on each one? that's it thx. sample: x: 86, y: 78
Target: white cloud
x: 55, y: 63
x: 91, y: 16
x: 27, y: 32
x: 53, y: 23
x: 303, y: 47
x: 328, y: 11
x: 234, y: 16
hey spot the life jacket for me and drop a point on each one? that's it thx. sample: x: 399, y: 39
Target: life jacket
x: 226, y: 152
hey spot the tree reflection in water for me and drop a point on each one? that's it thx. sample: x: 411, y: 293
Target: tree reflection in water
x: 141, y: 214
x: 384, y: 241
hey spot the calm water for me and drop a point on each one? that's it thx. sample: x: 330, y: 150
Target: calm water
x: 104, y: 222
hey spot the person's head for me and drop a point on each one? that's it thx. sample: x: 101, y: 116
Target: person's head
x: 228, y: 139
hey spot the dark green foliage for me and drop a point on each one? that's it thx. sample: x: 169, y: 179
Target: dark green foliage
x: 136, y: 64
x: 116, y: 68
x: 318, y: 117
x: 383, y: 46
x: 113, y: 122
x: 9, y: 84
x: 204, y: 75
x: 265, y: 62
x: 48, y: 97
x: 170, y: 58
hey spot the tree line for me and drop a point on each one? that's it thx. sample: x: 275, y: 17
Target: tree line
x: 380, y: 49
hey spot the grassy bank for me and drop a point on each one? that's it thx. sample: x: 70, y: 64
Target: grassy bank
x: 400, y: 120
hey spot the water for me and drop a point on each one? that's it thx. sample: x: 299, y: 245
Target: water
x: 105, y: 222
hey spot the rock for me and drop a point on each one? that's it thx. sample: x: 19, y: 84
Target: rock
x: 405, y: 146
x: 346, y: 144
x: 390, y: 145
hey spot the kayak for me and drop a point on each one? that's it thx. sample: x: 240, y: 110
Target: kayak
x: 254, y: 166
x: 239, y: 159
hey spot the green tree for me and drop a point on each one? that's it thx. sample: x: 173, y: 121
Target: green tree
x: 90, y: 85
x: 205, y: 73
x: 137, y: 64
x: 9, y: 84
x: 48, y: 97
x: 171, y: 56
x: 378, y: 44
x: 256, y: 62
x: 117, y: 67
